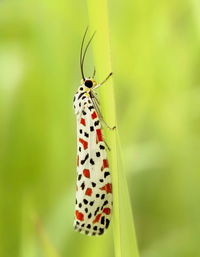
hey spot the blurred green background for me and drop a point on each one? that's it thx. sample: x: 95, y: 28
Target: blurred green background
x: 155, y: 51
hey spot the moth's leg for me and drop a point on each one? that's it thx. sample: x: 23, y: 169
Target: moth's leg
x: 96, y: 106
x: 107, y: 145
x: 101, y: 116
x: 102, y: 119
x: 111, y: 128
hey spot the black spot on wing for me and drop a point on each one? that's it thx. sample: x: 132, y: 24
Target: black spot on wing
x: 86, y: 134
x: 101, y: 147
x: 107, y: 223
x: 91, y: 203
x: 92, y: 161
x: 106, y: 174
x: 103, y: 220
x: 85, y: 201
x: 98, y: 154
x: 103, y: 196
x: 101, y: 230
x: 90, y: 107
x: 88, y: 226
x: 93, y: 184
x: 95, y: 213
x: 80, y: 95
x: 84, y: 160
x: 96, y: 123
x: 83, y: 186
x: 106, y: 202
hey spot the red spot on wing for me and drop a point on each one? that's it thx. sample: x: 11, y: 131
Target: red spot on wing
x: 86, y: 173
x: 83, y: 122
x: 94, y: 115
x: 88, y: 191
x: 106, y: 211
x: 105, y: 164
x: 97, y: 218
x: 79, y: 215
x: 99, y: 135
x: 107, y: 188
x: 84, y: 143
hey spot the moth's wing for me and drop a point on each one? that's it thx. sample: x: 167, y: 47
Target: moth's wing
x: 94, y: 188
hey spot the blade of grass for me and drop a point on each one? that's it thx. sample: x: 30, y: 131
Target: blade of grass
x: 123, y: 227
x: 47, y: 246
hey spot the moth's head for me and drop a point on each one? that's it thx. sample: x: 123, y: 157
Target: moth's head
x: 89, y: 83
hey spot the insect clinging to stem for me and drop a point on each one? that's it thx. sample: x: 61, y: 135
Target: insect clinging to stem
x: 94, y: 198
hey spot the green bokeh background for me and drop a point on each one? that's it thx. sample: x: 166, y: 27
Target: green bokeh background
x: 155, y: 52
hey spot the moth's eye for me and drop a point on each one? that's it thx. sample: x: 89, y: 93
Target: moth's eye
x: 88, y: 83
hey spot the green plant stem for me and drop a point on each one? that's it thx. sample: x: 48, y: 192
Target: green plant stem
x: 123, y: 226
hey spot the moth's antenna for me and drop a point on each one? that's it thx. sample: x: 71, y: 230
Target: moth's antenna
x: 83, y: 57
x: 81, y: 54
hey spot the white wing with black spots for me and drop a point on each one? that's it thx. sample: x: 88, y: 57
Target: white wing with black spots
x: 94, y: 187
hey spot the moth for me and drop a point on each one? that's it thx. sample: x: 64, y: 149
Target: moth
x: 94, y: 197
